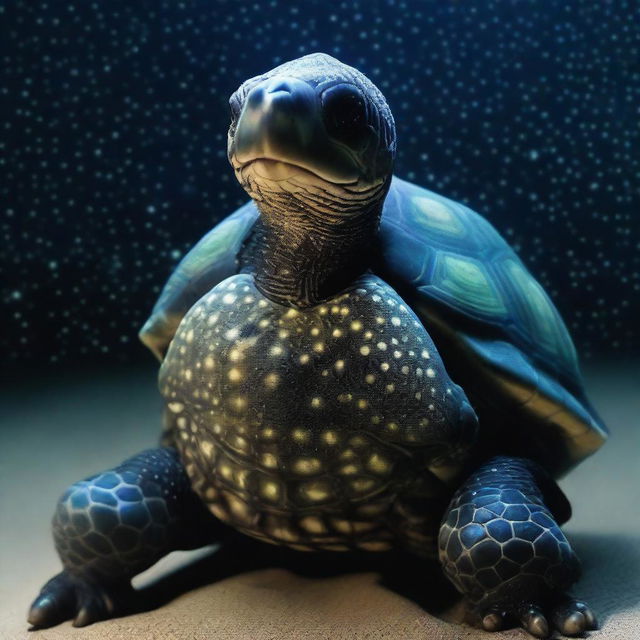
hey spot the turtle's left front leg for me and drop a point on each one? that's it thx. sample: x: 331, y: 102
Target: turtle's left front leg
x: 501, y: 546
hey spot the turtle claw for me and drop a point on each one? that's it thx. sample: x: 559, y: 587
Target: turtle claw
x: 535, y: 622
x: 65, y: 597
x: 569, y: 617
x: 573, y: 618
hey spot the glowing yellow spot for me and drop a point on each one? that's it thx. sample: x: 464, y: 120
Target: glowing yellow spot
x: 384, y: 366
x: 229, y: 298
x: 264, y: 323
x: 357, y: 441
x: 362, y: 484
x: 316, y: 491
x: 339, y: 365
x: 306, y: 466
x: 379, y: 319
x: 304, y: 358
x: 239, y: 508
x: 282, y: 334
x: 362, y: 404
x: 232, y: 334
x: 269, y: 433
x: 375, y: 419
x: 175, y: 407
x: 208, y: 363
x: 378, y: 464
x: 365, y: 350
x: 312, y: 524
x: 239, y: 444
x: 276, y: 350
x: 189, y: 337
x: 235, y: 375
x: 344, y: 311
x: 431, y: 373
x: 292, y: 313
x: 330, y: 437
x: 356, y: 325
x: 207, y: 448
x: 300, y: 435
x: 262, y: 304
x: 345, y: 397
x: 234, y: 355
x: 188, y: 374
x: 370, y: 378
x: 271, y: 380
x: 382, y: 346
x: 405, y: 369
x: 270, y: 490
x: 397, y: 354
x: 348, y: 470
x: 392, y: 426
x: 368, y: 335
x: 347, y: 454
x: 225, y: 471
x: 318, y: 347
x: 269, y: 460
x: 336, y: 333
x: 316, y: 402
x: 315, y: 331
x: 425, y: 354
x: 335, y: 309
x: 391, y: 388
x: 239, y: 403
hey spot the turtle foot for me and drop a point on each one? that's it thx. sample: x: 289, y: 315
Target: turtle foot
x: 67, y: 597
x: 566, y: 615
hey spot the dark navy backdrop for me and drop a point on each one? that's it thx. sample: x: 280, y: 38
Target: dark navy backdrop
x: 114, y: 119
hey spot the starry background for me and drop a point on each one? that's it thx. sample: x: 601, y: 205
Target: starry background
x: 114, y: 117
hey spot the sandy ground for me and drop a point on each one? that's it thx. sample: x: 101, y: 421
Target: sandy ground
x: 57, y: 430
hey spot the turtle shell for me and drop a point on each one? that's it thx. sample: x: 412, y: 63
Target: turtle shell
x: 212, y: 259
x: 500, y: 335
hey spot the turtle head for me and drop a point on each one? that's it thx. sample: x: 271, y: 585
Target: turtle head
x: 313, y: 131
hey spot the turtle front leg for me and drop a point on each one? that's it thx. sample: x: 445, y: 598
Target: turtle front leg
x: 501, y: 546
x: 114, y: 525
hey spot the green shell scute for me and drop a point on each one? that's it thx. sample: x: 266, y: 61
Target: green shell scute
x: 537, y: 312
x: 464, y: 281
x: 456, y: 259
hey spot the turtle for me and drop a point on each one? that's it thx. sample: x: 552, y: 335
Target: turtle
x: 348, y: 362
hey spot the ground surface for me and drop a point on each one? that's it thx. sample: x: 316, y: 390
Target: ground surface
x: 55, y: 431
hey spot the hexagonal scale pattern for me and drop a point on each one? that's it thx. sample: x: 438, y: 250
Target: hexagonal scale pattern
x: 499, y: 539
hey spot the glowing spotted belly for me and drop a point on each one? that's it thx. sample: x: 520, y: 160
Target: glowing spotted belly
x: 306, y: 426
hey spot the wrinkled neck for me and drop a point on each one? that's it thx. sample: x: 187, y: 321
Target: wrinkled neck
x: 308, y: 254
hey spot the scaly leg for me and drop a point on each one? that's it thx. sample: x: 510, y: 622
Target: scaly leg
x: 502, y: 548
x: 114, y: 525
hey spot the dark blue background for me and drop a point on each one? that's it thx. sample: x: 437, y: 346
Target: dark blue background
x: 114, y: 118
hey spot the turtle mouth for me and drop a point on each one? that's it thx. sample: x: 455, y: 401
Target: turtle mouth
x: 277, y: 170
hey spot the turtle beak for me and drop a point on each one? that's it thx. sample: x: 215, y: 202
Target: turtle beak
x: 281, y: 122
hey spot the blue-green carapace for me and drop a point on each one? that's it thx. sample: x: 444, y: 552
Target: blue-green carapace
x: 348, y: 362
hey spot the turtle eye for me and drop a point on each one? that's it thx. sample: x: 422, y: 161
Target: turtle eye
x: 345, y: 113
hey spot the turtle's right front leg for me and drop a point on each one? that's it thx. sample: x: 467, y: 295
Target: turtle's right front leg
x: 114, y: 525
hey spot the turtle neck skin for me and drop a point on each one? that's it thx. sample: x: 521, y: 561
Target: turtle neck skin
x: 307, y: 250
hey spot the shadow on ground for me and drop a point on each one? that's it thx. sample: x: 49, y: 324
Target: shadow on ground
x: 416, y: 579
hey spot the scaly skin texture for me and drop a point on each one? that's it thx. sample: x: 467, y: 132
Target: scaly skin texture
x: 321, y: 428
x: 500, y: 545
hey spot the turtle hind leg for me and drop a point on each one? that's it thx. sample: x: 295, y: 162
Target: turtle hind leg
x: 114, y: 525
x: 501, y: 546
